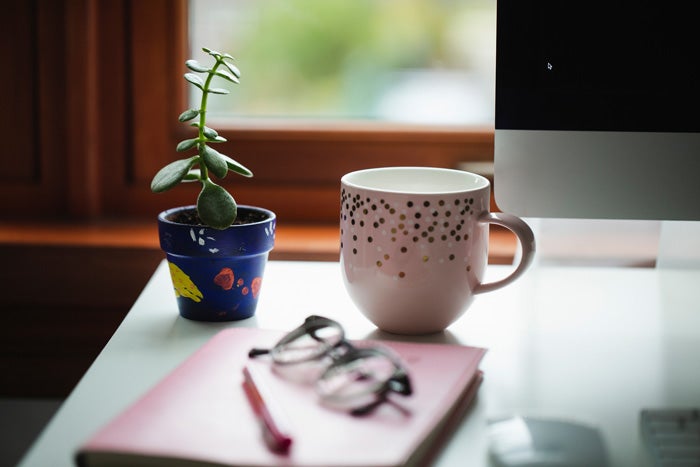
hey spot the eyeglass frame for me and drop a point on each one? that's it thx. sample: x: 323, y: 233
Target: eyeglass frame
x: 341, y: 353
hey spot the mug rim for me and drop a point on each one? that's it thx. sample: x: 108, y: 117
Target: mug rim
x: 478, y: 182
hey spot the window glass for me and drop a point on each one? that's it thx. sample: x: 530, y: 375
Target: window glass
x: 406, y: 61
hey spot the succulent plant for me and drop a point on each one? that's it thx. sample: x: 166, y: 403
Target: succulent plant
x: 216, y: 207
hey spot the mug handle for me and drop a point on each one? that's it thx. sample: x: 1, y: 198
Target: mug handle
x: 527, y: 242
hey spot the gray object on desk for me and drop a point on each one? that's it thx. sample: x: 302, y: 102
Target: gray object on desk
x: 545, y: 442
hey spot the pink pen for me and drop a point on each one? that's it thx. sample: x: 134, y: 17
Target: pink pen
x: 275, y: 429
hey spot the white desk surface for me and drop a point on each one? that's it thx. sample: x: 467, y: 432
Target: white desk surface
x: 591, y: 344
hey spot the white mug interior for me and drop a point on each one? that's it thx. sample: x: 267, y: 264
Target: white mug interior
x: 415, y: 180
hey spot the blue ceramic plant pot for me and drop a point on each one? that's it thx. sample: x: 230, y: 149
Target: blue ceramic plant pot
x: 217, y: 274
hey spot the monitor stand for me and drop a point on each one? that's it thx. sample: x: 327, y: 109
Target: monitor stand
x: 617, y: 243
x: 679, y: 245
x: 594, y: 242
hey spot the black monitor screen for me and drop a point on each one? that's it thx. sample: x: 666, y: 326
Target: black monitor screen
x: 597, y: 65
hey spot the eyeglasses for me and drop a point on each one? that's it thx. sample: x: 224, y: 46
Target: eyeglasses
x: 358, y: 379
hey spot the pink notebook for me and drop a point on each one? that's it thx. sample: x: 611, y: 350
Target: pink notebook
x: 200, y: 415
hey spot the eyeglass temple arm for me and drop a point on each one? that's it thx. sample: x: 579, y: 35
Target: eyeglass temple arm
x: 254, y: 352
x: 381, y: 399
x: 400, y: 383
x: 311, y: 324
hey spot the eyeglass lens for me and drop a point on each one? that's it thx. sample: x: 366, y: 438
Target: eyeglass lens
x: 365, y: 372
x: 308, y: 343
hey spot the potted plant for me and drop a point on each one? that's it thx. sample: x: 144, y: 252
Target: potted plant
x: 216, y: 249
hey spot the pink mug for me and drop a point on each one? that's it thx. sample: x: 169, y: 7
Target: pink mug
x: 414, y: 245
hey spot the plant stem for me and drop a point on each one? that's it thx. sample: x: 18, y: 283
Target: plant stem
x: 204, y: 171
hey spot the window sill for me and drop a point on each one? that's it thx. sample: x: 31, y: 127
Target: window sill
x: 292, y: 242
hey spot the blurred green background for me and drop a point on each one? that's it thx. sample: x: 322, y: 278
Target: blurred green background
x: 417, y: 61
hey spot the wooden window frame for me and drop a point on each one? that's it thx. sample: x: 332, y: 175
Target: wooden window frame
x: 92, y: 90
x: 108, y: 87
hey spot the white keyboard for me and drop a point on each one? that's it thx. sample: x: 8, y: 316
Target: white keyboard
x: 672, y: 436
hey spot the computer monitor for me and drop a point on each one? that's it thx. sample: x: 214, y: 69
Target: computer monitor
x: 597, y: 109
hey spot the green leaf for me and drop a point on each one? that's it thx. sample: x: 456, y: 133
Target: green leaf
x: 186, y: 144
x: 188, y: 115
x: 233, y: 69
x: 194, y: 65
x: 210, y: 132
x: 218, y: 139
x: 211, y: 52
x: 194, y: 79
x: 192, y: 175
x: 215, y: 162
x: 236, y: 166
x: 218, y: 91
x: 216, y: 207
x: 226, y: 75
x: 172, y: 174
